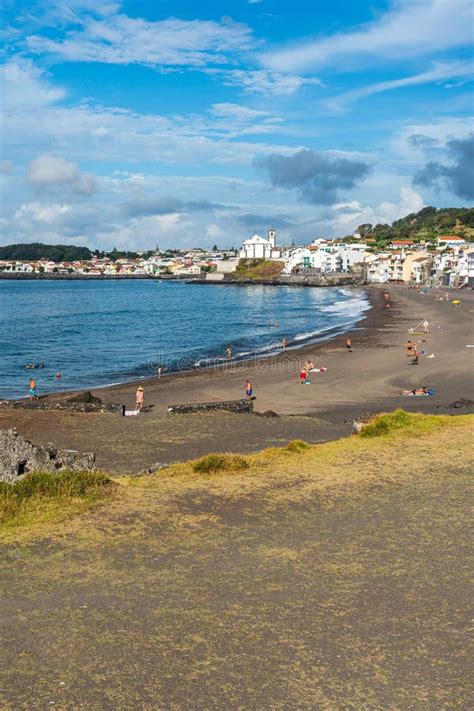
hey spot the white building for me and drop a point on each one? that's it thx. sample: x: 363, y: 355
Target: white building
x: 465, y: 267
x: 451, y: 241
x: 259, y: 248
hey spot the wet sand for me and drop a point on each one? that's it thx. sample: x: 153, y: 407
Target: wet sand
x: 365, y: 381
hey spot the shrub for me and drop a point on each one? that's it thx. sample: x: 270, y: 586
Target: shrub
x: 401, y: 421
x: 220, y: 462
x: 296, y: 445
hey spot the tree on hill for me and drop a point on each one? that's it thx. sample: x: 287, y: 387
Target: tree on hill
x: 52, y: 252
x: 426, y: 224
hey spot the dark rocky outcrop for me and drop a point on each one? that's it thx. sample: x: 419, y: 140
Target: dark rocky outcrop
x: 18, y: 456
x: 82, y: 402
x: 239, y: 406
x: 463, y: 403
x: 85, y: 397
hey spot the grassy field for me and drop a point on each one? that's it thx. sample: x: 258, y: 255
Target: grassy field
x: 257, y: 269
x: 310, y: 576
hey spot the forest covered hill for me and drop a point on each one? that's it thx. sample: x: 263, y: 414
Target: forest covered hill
x: 427, y: 224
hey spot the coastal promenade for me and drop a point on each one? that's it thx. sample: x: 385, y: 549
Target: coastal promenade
x: 368, y: 380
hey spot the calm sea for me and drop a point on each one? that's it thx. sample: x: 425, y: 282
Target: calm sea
x: 99, y: 333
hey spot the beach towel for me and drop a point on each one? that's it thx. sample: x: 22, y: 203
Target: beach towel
x: 131, y: 413
x: 429, y: 393
x: 318, y: 370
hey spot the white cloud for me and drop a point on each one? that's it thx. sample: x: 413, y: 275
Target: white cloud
x: 47, y: 171
x: 119, y: 134
x: 25, y: 86
x: 119, y: 39
x: 435, y: 134
x: 261, y: 81
x: 349, y: 215
x: 439, y: 72
x: 412, y: 28
x: 41, y: 212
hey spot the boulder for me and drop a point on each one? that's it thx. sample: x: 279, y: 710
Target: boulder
x: 85, y: 397
x: 18, y: 456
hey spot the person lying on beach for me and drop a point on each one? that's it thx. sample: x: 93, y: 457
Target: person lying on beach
x: 139, y: 398
x: 418, y: 392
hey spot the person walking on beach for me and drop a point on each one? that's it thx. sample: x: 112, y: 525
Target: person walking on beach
x: 228, y: 350
x: 410, y: 347
x: 32, y: 388
x: 426, y: 324
x: 248, y: 390
x: 349, y: 344
x: 284, y: 343
x: 139, y: 398
x: 303, y: 376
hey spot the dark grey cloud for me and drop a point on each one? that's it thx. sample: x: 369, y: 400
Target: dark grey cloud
x: 458, y: 175
x: 318, y: 176
x: 419, y: 140
x: 258, y: 222
x: 143, y: 206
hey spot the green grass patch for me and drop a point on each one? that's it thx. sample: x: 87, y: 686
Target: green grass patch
x: 296, y: 445
x: 220, y: 462
x: 402, y: 422
x: 257, y: 269
x: 46, y: 496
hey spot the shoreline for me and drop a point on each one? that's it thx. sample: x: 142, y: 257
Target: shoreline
x: 364, y: 322
x: 356, y: 385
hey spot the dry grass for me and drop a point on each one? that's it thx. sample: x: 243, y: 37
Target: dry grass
x: 43, y: 497
x: 399, y: 448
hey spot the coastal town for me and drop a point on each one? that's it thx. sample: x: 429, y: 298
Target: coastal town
x: 448, y: 260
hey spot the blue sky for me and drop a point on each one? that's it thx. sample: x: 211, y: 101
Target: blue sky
x: 132, y: 124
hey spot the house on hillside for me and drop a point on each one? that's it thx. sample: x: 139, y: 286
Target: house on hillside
x: 401, y: 244
x: 450, y: 241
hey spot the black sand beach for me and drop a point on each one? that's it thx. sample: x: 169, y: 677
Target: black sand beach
x: 366, y: 381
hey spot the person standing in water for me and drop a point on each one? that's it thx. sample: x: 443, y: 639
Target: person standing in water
x: 139, y: 398
x: 284, y: 343
x: 32, y: 388
x: 349, y: 344
x: 228, y: 350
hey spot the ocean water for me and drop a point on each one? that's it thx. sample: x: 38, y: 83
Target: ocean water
x: 105, y: 332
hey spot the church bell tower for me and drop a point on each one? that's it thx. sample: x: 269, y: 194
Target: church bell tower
x: 272, y: 238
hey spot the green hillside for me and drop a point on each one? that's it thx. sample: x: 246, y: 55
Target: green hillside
x: 57, y: 252
x: 427, y: 224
